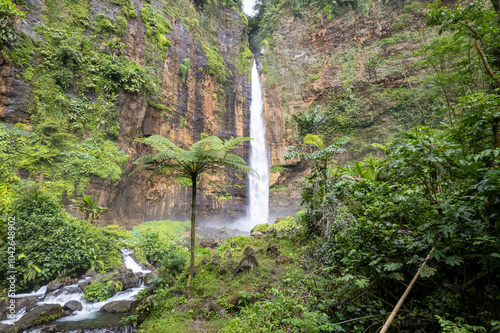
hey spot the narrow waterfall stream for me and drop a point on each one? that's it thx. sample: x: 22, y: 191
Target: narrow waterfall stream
x: 258, y: 189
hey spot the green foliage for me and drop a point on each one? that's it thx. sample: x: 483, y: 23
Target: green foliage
x: 184, y: 69
x: 245, y: 61
x: 171, y: 229
x: 67, y: 166
x: 278, y: 168
x: 216, y: 64
x: 172, y: 265
x: 181, y: 121
x: 309, y: 122
x: 9, y: 13
x: 90, y: 209
x: 97, y: 290
x: 50, y: 241
x: 120, y: 26
x: 156, y: 28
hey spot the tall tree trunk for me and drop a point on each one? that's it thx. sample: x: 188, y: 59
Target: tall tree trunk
x: 193, y: 234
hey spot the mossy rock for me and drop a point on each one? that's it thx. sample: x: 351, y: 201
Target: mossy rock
x: 261, y: 227
x: 40, y: 315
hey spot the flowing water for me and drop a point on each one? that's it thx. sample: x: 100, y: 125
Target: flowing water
x: 258, y: 189
x: 90, y: 315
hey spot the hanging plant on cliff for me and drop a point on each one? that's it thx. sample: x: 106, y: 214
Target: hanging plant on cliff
x: 210, y: 153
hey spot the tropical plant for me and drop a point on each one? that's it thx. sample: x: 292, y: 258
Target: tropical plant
x: 210, y: 153
x: 90, y: 209
x: 9, y: 13
x: 315, y: 186
x: 309, y: 122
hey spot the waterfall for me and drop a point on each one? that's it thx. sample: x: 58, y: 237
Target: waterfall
x: 258, y: 189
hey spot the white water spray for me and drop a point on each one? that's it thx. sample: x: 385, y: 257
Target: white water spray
x: 258, y: 189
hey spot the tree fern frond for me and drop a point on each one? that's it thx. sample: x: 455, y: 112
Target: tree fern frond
x: 234, y: 158
x: 233, y: 142
x: 161, y: 143
x: 240, y: 167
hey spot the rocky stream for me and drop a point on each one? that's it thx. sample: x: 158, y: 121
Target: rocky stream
x: 63, y: 299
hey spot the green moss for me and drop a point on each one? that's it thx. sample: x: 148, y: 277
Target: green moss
x: 216, y: 64
x: 120, y: 26
x: 181, y: 121
x: 262, y: 227
x: 245, y: 60
x: 184, y: 69
x: 156, y: 27
x: 102, y: 24
x: 23, y: 51
x: 314, y: 77
x: 158, y: 106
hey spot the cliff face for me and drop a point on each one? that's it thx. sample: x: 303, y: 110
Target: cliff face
x: 340, y: 64
x: 184, y: 108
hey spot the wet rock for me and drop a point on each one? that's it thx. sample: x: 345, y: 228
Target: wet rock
x: 117, y: 306
x: 148, y: 277
x: 53, y: 286
x: 136, y: 307
x: 4, y: 328
x: 85, y: 284
x: 256, y: 234
x: 127, y: 278
x: 64, y: 290
x: 39, y: 315
x: 209, y: 243
x: 283, y: 260
x: 73, y: 306
x: 248, y: 262
x: 90, y: 273
x: 273, y: 250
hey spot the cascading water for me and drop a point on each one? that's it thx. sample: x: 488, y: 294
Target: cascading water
x: 258, y: 189
x: 90, y: 313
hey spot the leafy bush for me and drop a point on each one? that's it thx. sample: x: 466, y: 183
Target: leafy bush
x: 184, y: 69
x: 172, y: 264
x: 216, y: 64
x: 97, y: 290
x: 51, y: 240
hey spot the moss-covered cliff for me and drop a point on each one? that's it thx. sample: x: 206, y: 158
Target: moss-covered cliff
x: 341, y: 60
x: 88, y: 77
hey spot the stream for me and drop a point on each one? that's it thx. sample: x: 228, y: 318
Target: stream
x: 90, y: 314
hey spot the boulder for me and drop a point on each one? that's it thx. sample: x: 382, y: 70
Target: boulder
x: 248, y: 262
x: 273, y: 250
x: 215, y: 263
x: 53, y: 286
x: 20, y: 303
x: 39, y: 315
x: 209, y: 243
x: 256, y: 234
x: 64, y: 290
x: 149, y: 277
x: 73, y: 306
x: 117, y: 306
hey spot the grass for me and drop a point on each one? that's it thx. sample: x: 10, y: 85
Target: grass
x: 174, y: 229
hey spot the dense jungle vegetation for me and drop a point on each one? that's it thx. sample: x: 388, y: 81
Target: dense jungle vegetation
x: 342, y: 263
